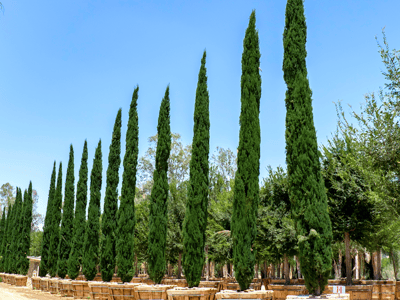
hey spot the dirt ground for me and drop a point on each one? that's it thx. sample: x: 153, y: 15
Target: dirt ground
x: 11, y: 292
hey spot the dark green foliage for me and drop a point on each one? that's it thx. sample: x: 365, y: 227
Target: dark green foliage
x: 15, y: 249
x: 126, y: 213
x: 306, y: 187
x: 64, y: 247
x: 76, y: 256
x: 2, y: 237
x: 55, y: 226
x: 159, y: 195
x: 27, y: 225
x: 246, y: 190
x: 109, y: 222
x: 2, y: 234
x: 6, y: 239
x: 91, y: 242
x: 43, y: 268
x: 195, y: 223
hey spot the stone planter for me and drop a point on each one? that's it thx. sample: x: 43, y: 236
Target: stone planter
x: 248, y: 294
x: 234, y: 286
x: 210, y: 284
x: 122, y: 291
x: 11, y: 279
x: 116, y: 279
x: 282, y: 291
x: 156, y: 291
x: 53, y: 285
x: 20, y: 280
x: 137, y: 280
x: 177, y: 282
x: 80, y: 289
x: 36, y: 283
x: 197, y: 293
x: 44, y: 284
x: 326, y: 296
x: 98, y: 290
x: 359, y: 292
x: 65, y: 288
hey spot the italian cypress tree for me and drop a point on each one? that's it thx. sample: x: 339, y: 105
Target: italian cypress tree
x: 55, y: 226
x: 75, y: 258
x: 91, y: 243
x: 109, y: 223
x: 159, y: 195
x: 195, y: 222
x: 64, y: 246
x: 126, y: 212
x: 43, y: 268
x: 7, y: 239
x: 246, y: 190
x: 306, y: 187
x: 15, y: 249
x: 27, y: 225
x: 2, y: 238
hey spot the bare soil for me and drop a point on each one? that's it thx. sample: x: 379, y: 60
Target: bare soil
x: 11, y: 292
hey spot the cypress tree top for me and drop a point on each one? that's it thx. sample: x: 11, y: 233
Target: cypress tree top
x: 109, y: 223
x: 195, y: 223
x: 246, y: 190
x: 64, y: 247
x: 306, y: 187
x: 126, y: 214
x: 43, y: 269
x: 91, y: 243
x: 76, y: 255
x: 159, y: 195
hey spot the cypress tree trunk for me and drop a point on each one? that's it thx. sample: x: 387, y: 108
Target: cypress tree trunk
x: 246, y: 191
x: 26, y: 238
x: 55, y: 226
x: 286, y: 269
x: 159, y: 195
x: 306, y: 186
x: 195, y: 222
x: 91, y: 243
x: 348, y: 258
x: 64, y: 247
x: 109, y: 223
x: 76, y: 255
x: 126, y: 215
x: 43, y: 268
x: 15, y: 249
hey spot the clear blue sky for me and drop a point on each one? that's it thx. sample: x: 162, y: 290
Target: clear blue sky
x: 68, y: 66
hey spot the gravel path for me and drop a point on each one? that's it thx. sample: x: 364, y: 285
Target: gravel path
x: 11, y: 292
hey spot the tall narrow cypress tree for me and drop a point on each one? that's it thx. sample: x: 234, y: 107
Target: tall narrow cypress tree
x: 64, y: 246
x: 7, y: 239
x: 75, y: 258
x: 15, y: 249
x: 109, y: 223
x: 43, y: 268
x: 2, y: 237
x: 159, y: 195
x: 246, y: 191
x: 126, y: 212
x: 306, y: 187
x: 27, y: 226
x: 194, y: 225
x: 55, y: 226
x: 91, y: 243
